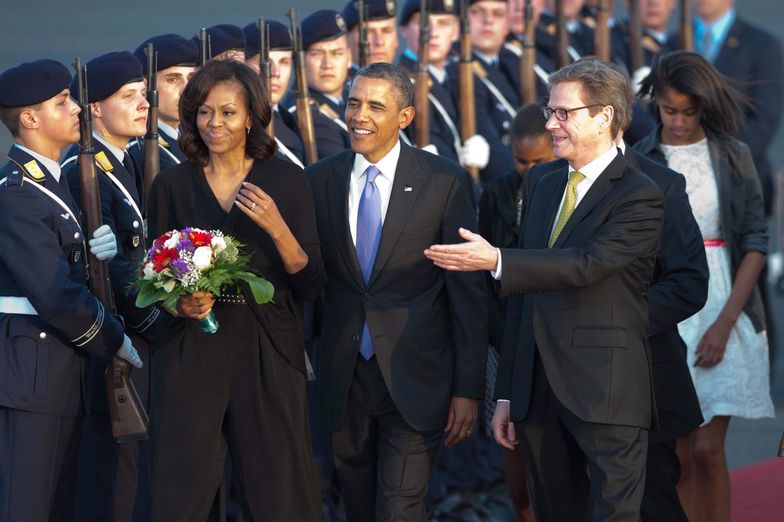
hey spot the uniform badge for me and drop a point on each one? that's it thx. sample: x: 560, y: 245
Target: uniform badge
x: 34, y: 171
x: 449, y: 5
x: 391, y: 7
x: 162, y: 142
x: 103, y: 162
x: 732, y: 42
x: 77, y: 255
x: 340, y: 22
x: 550, y: 29
x: 135, y: 240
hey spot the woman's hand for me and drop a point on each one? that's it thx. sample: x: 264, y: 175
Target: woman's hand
x: 261, y: 208
x: 196, y: 305
x: 711, y: 349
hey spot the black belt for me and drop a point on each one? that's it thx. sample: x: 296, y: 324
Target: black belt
x: 237, y: 299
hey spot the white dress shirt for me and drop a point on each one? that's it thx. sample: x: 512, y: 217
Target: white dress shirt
x: 168, y: 130
x: 116, y: 152
x: 51, y: 165
x: 387, y: 167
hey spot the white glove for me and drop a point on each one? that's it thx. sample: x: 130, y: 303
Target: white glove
x: 430, y: 148
x: 475, y: 152
x: 103, y: 245
x: 129, y: 353
x: 638, y: 76
x: 775, y: 265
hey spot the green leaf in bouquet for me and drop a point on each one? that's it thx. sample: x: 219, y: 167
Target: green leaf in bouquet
x: 261, y: 288
x: 149, y: 295
x: 169, y: 285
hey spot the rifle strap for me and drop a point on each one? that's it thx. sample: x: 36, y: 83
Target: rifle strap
x: 117, y: 183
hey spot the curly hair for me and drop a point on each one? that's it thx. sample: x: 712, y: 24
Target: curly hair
x: 259, y: 145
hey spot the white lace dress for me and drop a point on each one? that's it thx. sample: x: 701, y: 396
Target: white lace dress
x: 739, y: 384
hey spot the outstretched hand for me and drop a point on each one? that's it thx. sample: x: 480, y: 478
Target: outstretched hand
x: 475, y: 254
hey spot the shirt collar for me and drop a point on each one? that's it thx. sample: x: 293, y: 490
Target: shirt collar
x: 336, y: 101
x: 661, y: 38
x: 718, y: 29
x: 622, y: 145
x: 51, y: 165
x: 488, y: 59
x: 438, y: 74
x: 597, y: 166
x: 168, y: 130
x: 386, y: 165
x: 117, y: 153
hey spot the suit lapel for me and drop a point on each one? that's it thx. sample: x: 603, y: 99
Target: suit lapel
x: 727, y: 56
x: 405, y: 189
x: 337, y: 196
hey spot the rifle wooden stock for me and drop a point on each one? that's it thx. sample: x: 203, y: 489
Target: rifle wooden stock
x: 635, y: 36
x: 561, y: 37
x: 465, y: 75
x: 364, y: 45
x: 304, y: 116
x: 528, y: 60
x: 422, y: 81
x: 602, y: 30
x: 128, y: 419
x: 265, y: 69
x: 152, y: 157
x: 686, y: 30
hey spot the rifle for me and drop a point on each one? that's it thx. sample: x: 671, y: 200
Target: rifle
x: 152, y: 158
x: 422, y: 81
x: 781, y: 446
x: 686, y: 29
x: 528, y: 60
x: 465, y: 75
x: 602, y: 31
x: 364, y: 46
x: 205, y: 50
x: 265, y: 70
x: 561, y: 53
x: 128, y: 418
x: 304, y: 116
x: 635, y: 36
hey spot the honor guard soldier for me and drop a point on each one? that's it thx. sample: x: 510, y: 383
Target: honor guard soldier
x: 49, y: 320
x: 655, y: 19
x: 327, y: 59
x: 580, y: 34
x: 116, y: 90
x: 444, y: 116
x: 226, y: 42
x: 177, y: 58
x: 514, y: 42
x: 284, y: 124
x: 381, y: 26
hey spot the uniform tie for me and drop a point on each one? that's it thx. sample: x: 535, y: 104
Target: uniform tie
x: 368, y: 237
x: 570, y: 200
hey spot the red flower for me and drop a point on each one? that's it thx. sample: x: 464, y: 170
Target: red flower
x: 200, y: 238
x: 163, y: 258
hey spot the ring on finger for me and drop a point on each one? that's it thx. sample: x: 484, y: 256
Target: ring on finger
x: 253, y: 206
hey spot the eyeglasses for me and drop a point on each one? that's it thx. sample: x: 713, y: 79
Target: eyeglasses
x: 563, y: 114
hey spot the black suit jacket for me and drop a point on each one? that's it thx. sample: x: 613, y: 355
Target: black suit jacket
x: 584, y: 307
x: 429, y: 326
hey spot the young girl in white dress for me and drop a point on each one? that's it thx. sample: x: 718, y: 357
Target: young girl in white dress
x: 727, y: 345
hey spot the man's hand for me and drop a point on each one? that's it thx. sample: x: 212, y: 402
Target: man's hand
x: 129, y: 353
x: 461, y: 420
x: 503, y: 430
x: 475, y: 254
x: 103, y: 245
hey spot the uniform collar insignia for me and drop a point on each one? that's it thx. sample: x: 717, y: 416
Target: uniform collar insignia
x: 103, y: 162
x: 34, y: 171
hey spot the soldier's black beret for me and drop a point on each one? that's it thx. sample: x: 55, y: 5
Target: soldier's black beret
x: 279, y: 37
x: 33, y: 82
x: 225, y: 37
x: 375, y: 10
x: 108, y: 72
x: 434, y: 7
x: 172, y: 50
x: 322, y: 25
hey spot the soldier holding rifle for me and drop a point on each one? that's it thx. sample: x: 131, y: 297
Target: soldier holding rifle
x: 49, y: 321
x: 381, y: 41
x: 534, y: 65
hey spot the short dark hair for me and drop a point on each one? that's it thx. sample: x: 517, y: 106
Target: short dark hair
x: 259, y: 144
x: 10, y: 118
x: 601, y: 85
x: 690, y: 74
x: 401, y: 84
x: 529, y: 123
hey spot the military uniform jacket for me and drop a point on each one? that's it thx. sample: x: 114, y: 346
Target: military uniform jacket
x: 169, y: 152
x: 544, y: 65
x: 43, y: 357
x: 580, y: 40
x: 650, y: 45
x: 287, y: 133
x: 328, y: 126
x: 121, y: 209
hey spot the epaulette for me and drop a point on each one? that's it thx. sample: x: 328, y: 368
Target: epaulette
x: 103, y: 162
x: 650, y: 43
x: 478, y: 69
x: 15, y: 178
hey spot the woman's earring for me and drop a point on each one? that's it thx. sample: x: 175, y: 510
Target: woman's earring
x: 247, y: 130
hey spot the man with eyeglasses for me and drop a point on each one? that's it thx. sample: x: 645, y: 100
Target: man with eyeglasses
x: 574, y: 386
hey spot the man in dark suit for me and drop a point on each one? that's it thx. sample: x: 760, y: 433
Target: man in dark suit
x: 575, y: 362
x: 403, y: 343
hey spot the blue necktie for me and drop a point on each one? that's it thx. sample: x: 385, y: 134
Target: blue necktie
x: 368, y: 236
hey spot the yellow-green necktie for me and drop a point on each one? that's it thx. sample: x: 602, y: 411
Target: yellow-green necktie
x: 570, y: 199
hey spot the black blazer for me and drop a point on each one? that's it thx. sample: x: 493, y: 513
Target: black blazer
x: 583, y: 305
x: 429, y: 326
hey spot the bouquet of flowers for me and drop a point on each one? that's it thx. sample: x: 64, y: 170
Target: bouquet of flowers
x: 185, y: 261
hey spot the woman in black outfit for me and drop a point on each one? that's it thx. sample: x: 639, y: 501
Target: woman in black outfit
x: 243, y: 386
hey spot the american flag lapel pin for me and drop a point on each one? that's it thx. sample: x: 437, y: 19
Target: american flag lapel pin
x: 407, y: 188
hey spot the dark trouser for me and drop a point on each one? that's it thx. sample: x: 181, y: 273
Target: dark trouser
x: 578, y: 470
x: 38, y: 455
x: 663, y: 470
x: 382, y: 464
x: 114, y: 478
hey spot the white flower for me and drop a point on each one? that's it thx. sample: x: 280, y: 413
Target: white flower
x: 173, y: 240
x: 202, y: 257
x: 218, y: 244
x: 149, y: 272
